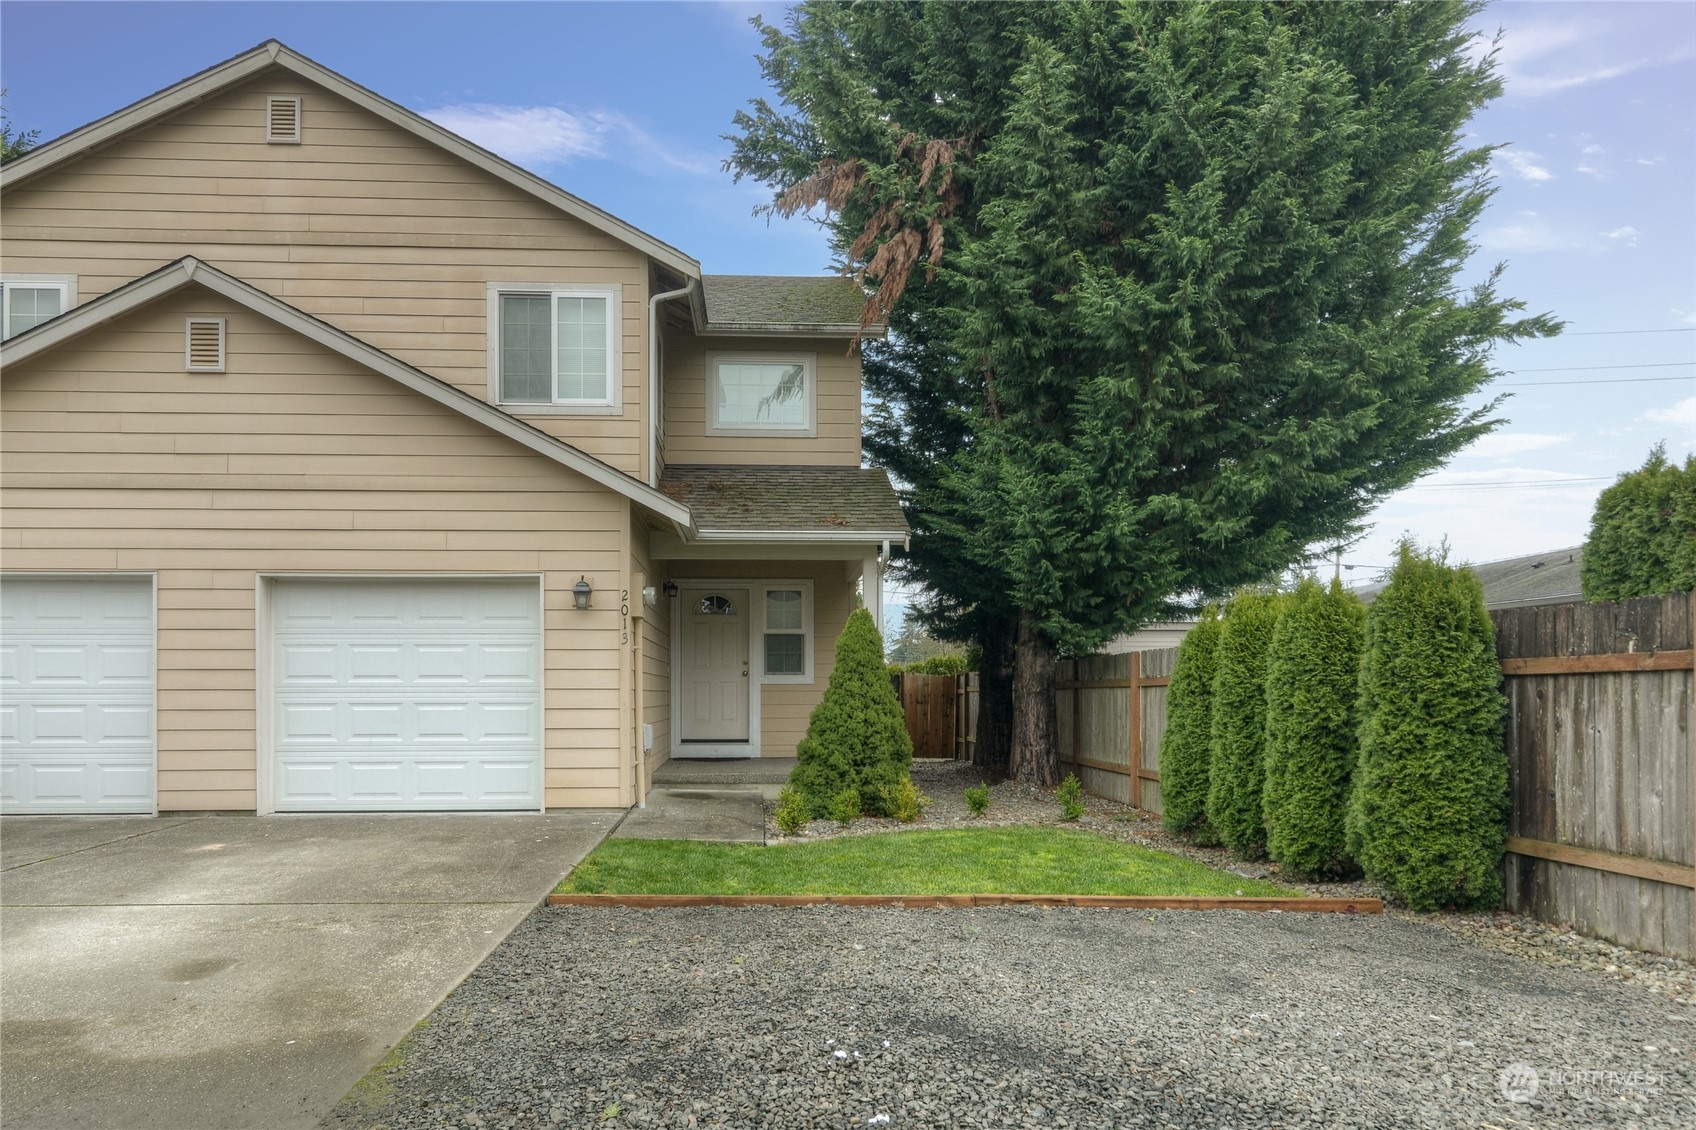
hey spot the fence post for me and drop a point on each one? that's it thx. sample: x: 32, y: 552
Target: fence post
x: 1136, y: 729
x: 1077, y: 712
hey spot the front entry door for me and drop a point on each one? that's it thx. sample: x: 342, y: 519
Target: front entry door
x: 715, y: 665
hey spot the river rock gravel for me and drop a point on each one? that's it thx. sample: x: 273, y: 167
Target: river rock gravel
x: 1017, y: 1017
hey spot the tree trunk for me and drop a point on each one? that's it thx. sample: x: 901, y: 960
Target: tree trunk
x: 1035, y: 756
x: 994, y: 743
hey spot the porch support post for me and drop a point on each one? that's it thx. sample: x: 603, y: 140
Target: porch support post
x: 871, y: 583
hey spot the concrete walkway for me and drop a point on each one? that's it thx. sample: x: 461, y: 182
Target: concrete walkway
x: 721, y: 801
x: 234, y: 972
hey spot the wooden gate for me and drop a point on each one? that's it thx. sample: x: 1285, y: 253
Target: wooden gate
x: 931, y: 704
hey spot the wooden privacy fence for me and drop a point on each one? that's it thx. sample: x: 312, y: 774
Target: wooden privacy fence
x: 941, y: 713
x: 1111, y: 711
x: 1602, y: 766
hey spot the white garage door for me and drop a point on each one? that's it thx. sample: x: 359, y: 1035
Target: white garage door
x: 76, y: 694
x: 407, y: 695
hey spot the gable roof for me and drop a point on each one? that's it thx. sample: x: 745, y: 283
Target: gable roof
x: 174, y: 276
x: 788, y: 503
x: 272, y: 53
x: 828, y: 306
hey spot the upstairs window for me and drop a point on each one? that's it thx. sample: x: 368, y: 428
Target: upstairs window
x: 760, y: 394
x: 556, y: 347
x: 27, y: 301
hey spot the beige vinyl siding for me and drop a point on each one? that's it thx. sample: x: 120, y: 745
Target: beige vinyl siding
x: 837, y: 404
x: 363, y: 225
x: 785, y: 707
x: 656, y: 655
x: 296, y: 460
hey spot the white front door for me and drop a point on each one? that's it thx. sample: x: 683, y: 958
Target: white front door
x: 76, y: 694
x: 714, y: 677
x: 406, y: 695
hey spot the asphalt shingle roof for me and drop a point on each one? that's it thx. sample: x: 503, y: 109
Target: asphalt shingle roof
x: 742, y: 499
x: 1551, y: 577
x: 786, y: 301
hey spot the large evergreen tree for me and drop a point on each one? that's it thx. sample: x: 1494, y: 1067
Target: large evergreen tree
x: 1173, y: 286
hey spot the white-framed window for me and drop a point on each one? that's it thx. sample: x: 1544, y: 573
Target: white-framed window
x: 29, y: 300
x: 555, y: 348
x: 756, y: 394
x: 786, y: 632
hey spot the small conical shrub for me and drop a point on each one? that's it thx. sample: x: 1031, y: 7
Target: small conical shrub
x: 1186, y: 747
x: 1428, y: 810
x: 1236, y: 769
x: 857, y: 737
x: 1312, y: 683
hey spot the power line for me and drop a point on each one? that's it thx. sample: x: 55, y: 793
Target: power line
x: 1511, y: 484
x: 1588, y: 368
x: 1597, y: 381
x: 1610, y: 333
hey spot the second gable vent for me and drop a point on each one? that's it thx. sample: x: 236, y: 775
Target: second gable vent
x: 282, y: 118
x: 203, y: 347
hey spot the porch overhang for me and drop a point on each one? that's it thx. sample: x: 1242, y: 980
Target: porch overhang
x: 782, y: 512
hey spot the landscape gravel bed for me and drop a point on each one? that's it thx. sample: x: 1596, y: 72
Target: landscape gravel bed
x: 835, y: 1017
x: 1011, y: 803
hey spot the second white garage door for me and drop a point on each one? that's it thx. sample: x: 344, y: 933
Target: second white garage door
x: 406, y: 695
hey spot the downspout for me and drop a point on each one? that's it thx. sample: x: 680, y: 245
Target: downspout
x: 654, y: 376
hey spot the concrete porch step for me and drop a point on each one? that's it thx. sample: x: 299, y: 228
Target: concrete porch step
x: 683, y: 773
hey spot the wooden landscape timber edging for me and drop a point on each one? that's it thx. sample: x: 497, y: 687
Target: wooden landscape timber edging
x: 943, y: 902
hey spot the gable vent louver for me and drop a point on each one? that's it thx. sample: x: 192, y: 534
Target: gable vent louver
x: 203, y: 347
x: 282, y: 119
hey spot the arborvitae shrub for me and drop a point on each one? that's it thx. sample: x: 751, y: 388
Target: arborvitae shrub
x: 857, y: 737
x: 1312, y: 684
x: 1186, y: 747
x: 1643, y: 532
x: 1070, y: 794
x: 792, y: 812
x: 1428, y: 810
x: 1236, y: 772
x: 977, y: 799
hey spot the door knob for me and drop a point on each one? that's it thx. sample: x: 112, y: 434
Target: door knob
x: 744, y: 670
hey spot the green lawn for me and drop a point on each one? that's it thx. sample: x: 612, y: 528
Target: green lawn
x: 1007, y: 861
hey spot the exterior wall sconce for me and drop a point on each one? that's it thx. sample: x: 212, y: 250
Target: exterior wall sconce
x: 580, y: 593
x: 670, y: 590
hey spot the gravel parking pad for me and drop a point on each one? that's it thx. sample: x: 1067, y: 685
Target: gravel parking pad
x: 836, y: 1017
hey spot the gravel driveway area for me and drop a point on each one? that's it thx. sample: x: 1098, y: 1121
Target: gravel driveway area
x: 838, y: 1017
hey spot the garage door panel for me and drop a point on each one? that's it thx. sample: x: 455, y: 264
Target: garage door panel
x: 76, y: 695
x: 408, y: 695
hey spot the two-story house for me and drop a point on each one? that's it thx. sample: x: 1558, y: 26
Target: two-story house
x: 349, y: 467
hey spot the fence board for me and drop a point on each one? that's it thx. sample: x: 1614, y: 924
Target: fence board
x: 1112, y: 715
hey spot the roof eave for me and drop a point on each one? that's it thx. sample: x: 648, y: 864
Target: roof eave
x: 821, y: 536
x: 790, y: 329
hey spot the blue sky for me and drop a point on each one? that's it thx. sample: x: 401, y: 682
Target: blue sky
x: 625, y: 105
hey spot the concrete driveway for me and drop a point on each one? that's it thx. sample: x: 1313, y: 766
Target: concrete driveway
x: 232, y: 972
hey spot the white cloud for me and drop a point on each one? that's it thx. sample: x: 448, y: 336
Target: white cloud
x: 1528, y: 66
x: 1532, y: 233
x: 1680, y: 415
x: 1506, y: 445
x: 1627, y: 234
x: 551, y: 135
x: 1590, y: 170
x: 1648, y: 162
x: 1592, y: 149
x: 1524, y: 163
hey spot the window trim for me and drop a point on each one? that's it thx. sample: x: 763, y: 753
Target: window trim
x: 613, y: 403
x: 758, y: 591
x: 66, y: 284
x: 809, y: 430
